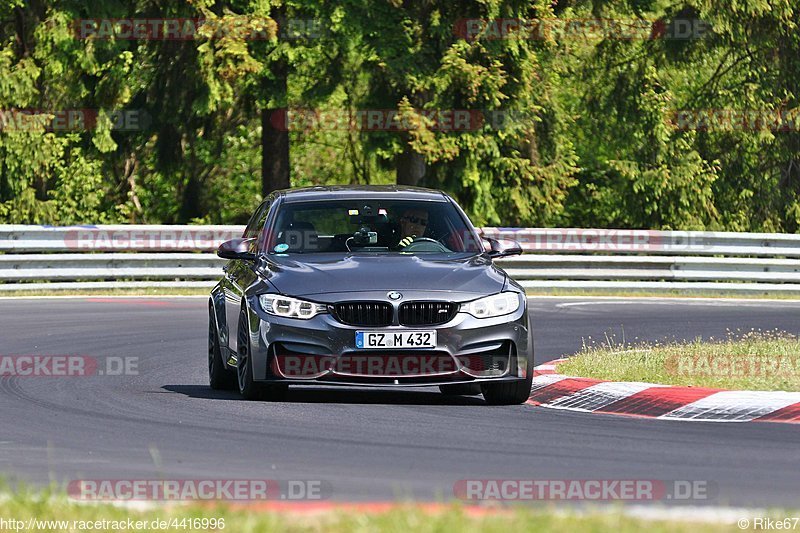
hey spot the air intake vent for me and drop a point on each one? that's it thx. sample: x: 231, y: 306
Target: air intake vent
x: 363, y: 313
x: 427, y: 313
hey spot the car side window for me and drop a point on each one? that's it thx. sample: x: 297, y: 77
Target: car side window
x: 257, y: 221
x: 263, y: 234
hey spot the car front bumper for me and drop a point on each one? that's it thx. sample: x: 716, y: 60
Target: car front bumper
x: 322, y: 350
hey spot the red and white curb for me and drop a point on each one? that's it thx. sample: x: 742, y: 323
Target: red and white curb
x: 664, y: 402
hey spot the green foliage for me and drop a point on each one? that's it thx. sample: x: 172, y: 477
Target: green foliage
x: 573, y: 130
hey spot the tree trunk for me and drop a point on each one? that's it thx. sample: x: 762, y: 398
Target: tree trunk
x: 275, y: 139
x: 410, y: 167
x: 190, y: 204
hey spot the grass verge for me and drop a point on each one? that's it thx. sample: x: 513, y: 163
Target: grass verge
x: 753, y: 361
x: 60, y: 514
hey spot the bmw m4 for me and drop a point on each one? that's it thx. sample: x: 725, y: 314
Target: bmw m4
x: 368, y: 286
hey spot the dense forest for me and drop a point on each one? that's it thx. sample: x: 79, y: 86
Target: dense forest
x: 664, y: 114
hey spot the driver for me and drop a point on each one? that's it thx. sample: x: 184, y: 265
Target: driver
x: 413, y: 223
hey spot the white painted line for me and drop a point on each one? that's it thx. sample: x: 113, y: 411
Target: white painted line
x: 600, y: 395
x: 734, y: 406
x: 550, y: 364
x: 545, y: 380
x: 723, y: 406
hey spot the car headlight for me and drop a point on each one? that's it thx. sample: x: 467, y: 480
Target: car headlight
x: 495, y: 305
x: 287, y: 307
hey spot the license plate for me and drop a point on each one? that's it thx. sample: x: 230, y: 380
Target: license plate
x: 395, y: 339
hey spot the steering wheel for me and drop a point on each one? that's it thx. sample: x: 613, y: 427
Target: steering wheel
x: 425, y: 244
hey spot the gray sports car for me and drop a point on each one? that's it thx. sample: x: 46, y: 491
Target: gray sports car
x: 367, y: 286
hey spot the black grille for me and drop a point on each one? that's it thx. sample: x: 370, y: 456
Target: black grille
x: 427, y: 313
x: 363, y: 313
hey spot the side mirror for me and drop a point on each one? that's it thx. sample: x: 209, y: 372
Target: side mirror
x: 236, y: 249
x: 503, y: 248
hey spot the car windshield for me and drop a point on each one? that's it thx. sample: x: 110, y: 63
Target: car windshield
x: 377, y: 226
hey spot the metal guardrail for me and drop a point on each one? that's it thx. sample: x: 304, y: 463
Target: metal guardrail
x: 92, y: 257
x: 120, y: 238
x: 650, y: 242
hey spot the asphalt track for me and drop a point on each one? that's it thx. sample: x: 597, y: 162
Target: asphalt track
x: 366, y: 444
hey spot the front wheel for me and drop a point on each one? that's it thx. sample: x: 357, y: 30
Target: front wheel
x: 510, y: 393
x: 248, y: 387
x: 219, y: 377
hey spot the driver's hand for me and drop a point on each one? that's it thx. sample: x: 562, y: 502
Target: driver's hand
x: 405, y: 241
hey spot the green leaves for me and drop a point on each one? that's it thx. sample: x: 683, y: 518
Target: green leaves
x: 563, y: 129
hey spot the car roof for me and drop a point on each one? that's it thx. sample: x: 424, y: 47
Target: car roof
x: 362, y: 192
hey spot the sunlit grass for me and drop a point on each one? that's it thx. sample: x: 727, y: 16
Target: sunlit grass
x: 754, y: 360
x: 47, y: 507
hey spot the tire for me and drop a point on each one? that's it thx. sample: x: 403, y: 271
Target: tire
x: 510, y: 393
x: 249, y: 388
x: 219, y: 377
x: 461, y: 389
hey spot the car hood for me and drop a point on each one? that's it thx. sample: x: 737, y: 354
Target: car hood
x: 321, y: 274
